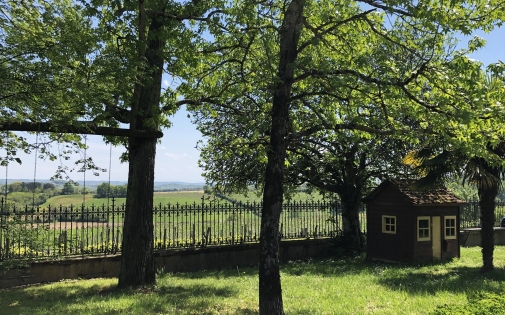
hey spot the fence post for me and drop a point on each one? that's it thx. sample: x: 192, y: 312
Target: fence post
x: 114, y: 242
x: 233, y: 225
x: 245, y: 233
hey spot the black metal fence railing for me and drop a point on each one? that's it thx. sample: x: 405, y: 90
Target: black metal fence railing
x: 78, y: 230
x: 470, y: 214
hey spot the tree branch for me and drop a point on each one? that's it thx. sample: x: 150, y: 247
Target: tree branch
x: 376, y: 4
x: 81, y: 127
x: 319, y: 34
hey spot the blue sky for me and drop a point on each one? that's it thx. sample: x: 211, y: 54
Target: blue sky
x: 177, y: 157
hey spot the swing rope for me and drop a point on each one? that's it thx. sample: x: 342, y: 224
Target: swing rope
x: 110, y: 169
x: 6, y: 168
x: 84, y: 170
x: 35, y: 168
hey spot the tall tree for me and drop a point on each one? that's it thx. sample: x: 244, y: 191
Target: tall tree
x: 486, y: 176
x: 270, y: 294
x: 349, y: 165
x: 287, y: 58
x: 87, y: 67
x: 439, y: 161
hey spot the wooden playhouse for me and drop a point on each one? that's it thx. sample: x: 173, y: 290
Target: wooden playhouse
x: 406, y: 225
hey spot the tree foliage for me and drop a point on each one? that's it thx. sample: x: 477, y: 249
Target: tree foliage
x: 90, y: 67
x: 68, y: 189
x: 287, y: 70
x: 272, y: 72
x: 438, y: 161
x: 106, y: 190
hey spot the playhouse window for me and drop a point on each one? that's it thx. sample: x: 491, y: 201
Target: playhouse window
x: 423, y: 228
x: 450, y: 227
x: 389, y: 224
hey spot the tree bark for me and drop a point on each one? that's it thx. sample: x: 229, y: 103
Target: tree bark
x: 350, y: 196
x: 350, y: 222
x: 487, y: 195
x: 270, y: 292
x: 137, y: 261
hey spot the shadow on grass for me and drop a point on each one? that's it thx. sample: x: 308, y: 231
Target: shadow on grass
x: 337, y: 267
x: 218, y: 274
x: 75, y: 298
x: 424, y: 278
x: 455, y: 279
x: 323, y: 267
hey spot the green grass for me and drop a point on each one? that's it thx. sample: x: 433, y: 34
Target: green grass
x: 181, y: 197
x: 335, y: 286
x: 253, y: 197
x: 164, y: 198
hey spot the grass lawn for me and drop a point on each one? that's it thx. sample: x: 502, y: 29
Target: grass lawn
x: 299, y: 196
x: 173, y: 197
x: 164, y: 198
x: 345, y: 286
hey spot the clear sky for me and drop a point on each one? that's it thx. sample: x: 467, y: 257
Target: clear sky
x: 177, y: 157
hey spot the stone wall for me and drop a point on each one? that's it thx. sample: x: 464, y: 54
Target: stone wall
x: 471, y: 237
x: 181, y: 260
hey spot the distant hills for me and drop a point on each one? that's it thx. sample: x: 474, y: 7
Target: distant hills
x: 91, y: 184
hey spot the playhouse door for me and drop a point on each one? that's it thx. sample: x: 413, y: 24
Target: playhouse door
x: 436, y: 238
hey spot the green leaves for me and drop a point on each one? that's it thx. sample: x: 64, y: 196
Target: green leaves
x: 386, y: 69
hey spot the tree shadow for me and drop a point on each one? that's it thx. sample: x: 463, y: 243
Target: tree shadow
x: 328, y: 267
x: 218, y: 274
x: 455, y: 279
x: 415, y: 278
x: 78, y: 299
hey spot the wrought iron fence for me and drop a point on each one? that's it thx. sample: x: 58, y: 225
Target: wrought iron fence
x: 78, y: 230
x: 34, y: 232
x: 470, y: 214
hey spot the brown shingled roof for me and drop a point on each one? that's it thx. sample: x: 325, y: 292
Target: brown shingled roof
x: 440, y: 195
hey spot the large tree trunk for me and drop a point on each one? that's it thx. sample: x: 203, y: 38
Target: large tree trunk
x: 350, y: 196
x: 270, y: 292
x: 487, y: 195
x: 351, y: 227
x: 137, y: 261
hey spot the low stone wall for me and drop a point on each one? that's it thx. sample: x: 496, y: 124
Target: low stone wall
x: 471, y: 237
x: 181, y: 260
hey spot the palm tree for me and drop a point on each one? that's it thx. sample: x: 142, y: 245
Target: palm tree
x: 485, y: 175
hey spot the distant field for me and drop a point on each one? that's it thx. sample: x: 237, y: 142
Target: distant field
x: 253, y: 197
x: 164, y: 198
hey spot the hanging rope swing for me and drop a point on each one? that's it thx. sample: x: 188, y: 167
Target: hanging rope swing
x: 4, y: 203
x: 108, y: 187
x: 114, y: 247
x: 35, y: 169
x: 84, y: 170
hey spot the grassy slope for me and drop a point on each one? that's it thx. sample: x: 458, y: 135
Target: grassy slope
x: 159, y: 197
x: 164, y: 198
x: 317, y: 287
x: 252, y: 197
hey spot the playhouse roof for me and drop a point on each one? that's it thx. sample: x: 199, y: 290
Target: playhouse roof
x: 439, y: 195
